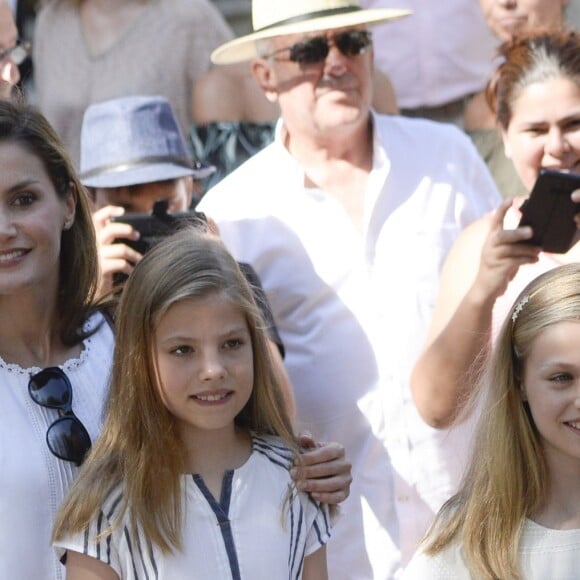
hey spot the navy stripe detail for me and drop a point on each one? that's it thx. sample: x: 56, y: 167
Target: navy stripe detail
x: 311, y: 15
x: 221, y: 512
x: 86, y: 541
x: 130, y: 548
x: 325, y: 516
x: 109, y: 538
x: 109, y: 516
x: 99, y: 528
x: 296, y: 540
x: 152, y: 558
x: 226, y: 494
x: 280, y: 456
x: 138, y: 541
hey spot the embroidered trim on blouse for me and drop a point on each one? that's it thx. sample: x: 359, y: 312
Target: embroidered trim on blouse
x: 67, y: 366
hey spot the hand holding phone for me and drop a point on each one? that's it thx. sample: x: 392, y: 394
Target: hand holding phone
x: 550, y: 211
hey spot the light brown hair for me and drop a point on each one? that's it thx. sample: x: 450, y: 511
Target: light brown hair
x: 507, y: 477
x: 531, y: 58
x: 139, y: 447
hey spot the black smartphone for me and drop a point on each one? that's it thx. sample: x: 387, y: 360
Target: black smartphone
x: 550, y: 211
x: 158, y: 224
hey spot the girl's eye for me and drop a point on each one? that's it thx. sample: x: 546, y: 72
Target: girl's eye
x: 233, y: 343
x: 181, y: 350
x: 561, y: 378
x: 24, y: 199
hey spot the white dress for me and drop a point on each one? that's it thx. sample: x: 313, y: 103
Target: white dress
x: 544, y: 554
x: 32, y: 480
x: 249, y: 534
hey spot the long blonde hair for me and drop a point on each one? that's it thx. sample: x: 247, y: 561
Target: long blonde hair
x: 507, y: 477
x: 139, y: 446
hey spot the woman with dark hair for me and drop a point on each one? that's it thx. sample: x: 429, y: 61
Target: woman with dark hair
x: 55, y: 347
x: 537, y: 97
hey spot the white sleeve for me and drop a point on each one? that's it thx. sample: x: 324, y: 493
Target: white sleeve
x: 446, y: 565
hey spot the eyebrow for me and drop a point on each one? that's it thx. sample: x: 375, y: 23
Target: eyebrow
x: 21, y: 185
x: 233, y: 331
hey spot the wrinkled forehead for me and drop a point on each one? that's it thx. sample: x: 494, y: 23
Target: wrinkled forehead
x: 290, y: 39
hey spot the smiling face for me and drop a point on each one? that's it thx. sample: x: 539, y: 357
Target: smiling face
x: 506, y: 18
x: 551, y: 386
x: 32, y: 218
x: 318, y: 98
x: 205, y: 363
x: 544, y: 130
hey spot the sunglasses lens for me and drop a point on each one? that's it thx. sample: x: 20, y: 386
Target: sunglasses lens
x: 50, y: 388
x: 68, y: 439
x: 352, y: 43
x: 309, y: 51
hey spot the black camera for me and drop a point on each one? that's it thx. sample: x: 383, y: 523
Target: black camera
x: 158, y: 224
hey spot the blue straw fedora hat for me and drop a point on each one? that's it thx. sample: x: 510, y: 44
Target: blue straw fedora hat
x: 271, y: 18
x: 134, y: 140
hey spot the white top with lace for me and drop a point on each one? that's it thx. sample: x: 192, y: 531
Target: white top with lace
x: 33, y: 481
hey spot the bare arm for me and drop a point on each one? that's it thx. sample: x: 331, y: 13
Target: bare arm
x: 315, y: 565
x: 230, y: 93
x: 460, y: 332
x: 83, y: 567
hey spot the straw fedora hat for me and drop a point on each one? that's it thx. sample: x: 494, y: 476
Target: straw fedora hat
x: 134, y: 140
x: 272, y: 18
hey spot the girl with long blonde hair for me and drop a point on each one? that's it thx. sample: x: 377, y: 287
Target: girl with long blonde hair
x: 517, y: 513
x: 191, y: 474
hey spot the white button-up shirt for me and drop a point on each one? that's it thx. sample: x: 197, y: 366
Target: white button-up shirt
x: 353, y: 311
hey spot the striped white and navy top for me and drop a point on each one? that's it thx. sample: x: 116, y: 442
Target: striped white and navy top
x: 250, y: 534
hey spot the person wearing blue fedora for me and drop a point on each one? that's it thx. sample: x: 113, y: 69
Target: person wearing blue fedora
x: 132, y: 155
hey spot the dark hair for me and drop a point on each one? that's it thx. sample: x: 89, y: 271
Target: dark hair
x: 24, y: 125
x: 530, y: 58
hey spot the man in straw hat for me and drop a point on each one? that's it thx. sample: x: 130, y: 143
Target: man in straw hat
x: 347, y: 217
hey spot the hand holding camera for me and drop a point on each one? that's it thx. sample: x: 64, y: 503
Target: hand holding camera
x: 123, y: 238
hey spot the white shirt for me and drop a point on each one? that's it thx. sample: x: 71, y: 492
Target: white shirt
x: 353, y: 310
x: 32, y: 480
x: 251, y: 533
x: 441, y: 52
x: 544, y: 553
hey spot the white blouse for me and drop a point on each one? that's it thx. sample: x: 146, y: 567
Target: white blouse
x: 32, y: 480
x: 544, y: 553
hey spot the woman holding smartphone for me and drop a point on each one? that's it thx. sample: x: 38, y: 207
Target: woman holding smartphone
x: 537, y: 104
